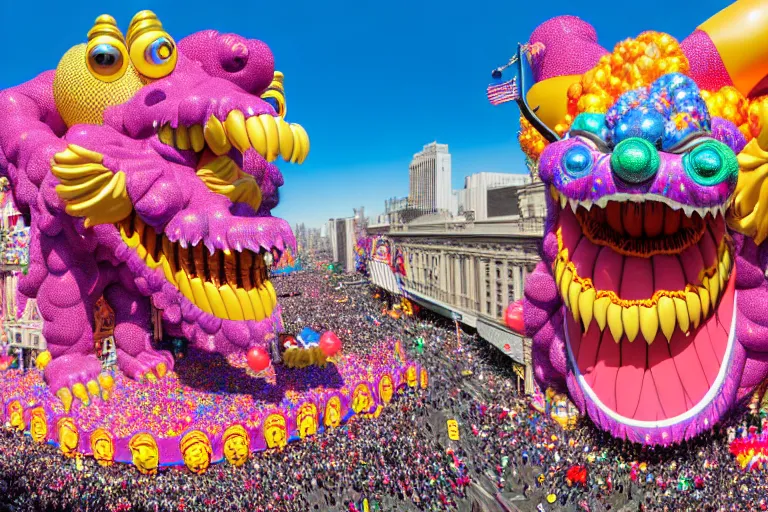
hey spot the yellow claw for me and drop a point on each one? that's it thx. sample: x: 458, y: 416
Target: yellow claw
x: 66, y: 398
x: 93, y: 388
x: 150, y: 377
x: 161, y: 370
x: 81, y: 393
x: 107, y: 383
x: 87, y: 154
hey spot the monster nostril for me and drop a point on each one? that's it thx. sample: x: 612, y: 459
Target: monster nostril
x: 154, y: 97
x: 235, y: 64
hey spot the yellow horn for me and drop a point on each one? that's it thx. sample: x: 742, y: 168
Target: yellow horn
x: 105, y: 25
x: 739, y: 34
x: 144, y: 21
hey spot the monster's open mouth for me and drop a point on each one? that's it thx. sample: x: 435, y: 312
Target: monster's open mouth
x: 229, y: 284
x: 649, y: 289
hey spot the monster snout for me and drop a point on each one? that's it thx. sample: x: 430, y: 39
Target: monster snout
x: 248, y: 63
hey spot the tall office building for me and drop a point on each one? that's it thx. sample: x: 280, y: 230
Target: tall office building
x: 430, y: 179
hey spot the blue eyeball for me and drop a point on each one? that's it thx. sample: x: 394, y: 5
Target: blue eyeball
x: 159, y: 51
x: 577, y: 161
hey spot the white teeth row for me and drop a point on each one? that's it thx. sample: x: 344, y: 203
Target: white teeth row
x: 603, y: 202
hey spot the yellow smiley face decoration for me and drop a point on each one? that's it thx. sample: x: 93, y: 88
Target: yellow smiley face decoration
x: 386, y: 389
x: 145, y: 453
x: 332, y: 412
x: 275, y: 432
x: 197, y: 451
x: 361, y: 399
x: 16, y: 415
x: 103, y: 447
x: 69, y: 437
x: 38, y: 425
x: 306, y: 420
x: 237, y: 445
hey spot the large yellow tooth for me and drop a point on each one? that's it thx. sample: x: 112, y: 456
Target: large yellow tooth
x: 565, y: 284
x: 185, y: 287
x: 298, y: 148
x: 649, y: 323
x: 559, y: 268
x: 256, y: 135
x: 167, y: 269
x: 198, y: 292
x: 722, y: 275
x: 245, y: 304
x: 286, y: 139
x: 214, y: 299
x: 216, y: 137
x: 258, y: 307
x: 586, y: 303
x: 236, y: 132
x: 573, y: 299
x: 273, y: 139
x: 614, y: 321
x: 166, y: 135
x: 131, y: 241
x: 231, y: 302
x: 704, y: 296
x: 301, y: 133
x: 727, y: 260
x: 182, y: 137
x: 683, y: 320
x: 141, y: 251
x: 714, y: 290
x: 272, y: 293
x: 196, y: 137
x: 601, y: 311
x: 266, y: 300
x: 693, y: 304
x: 667, y: 316
x: 630, y: 317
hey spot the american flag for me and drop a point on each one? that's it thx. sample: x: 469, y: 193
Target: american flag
x: 503, y: 92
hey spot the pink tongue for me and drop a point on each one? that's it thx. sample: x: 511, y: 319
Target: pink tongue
x: 659, y: 381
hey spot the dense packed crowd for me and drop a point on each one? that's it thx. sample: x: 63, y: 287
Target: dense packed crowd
x: 509, y: 455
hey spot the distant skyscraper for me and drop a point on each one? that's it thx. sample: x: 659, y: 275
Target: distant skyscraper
x: 430, y: 179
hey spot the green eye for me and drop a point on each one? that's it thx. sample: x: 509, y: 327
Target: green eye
x: 711, y: 163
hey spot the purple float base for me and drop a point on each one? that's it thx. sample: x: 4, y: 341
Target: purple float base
x: 210, y: 393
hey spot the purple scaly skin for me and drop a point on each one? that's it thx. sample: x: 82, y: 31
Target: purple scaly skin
x: 78, y: 254
x: 672, y: 366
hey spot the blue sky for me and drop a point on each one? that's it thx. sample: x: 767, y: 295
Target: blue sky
x: 372, y: 82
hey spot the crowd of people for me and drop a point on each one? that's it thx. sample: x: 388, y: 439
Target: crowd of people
x: 509, y: 456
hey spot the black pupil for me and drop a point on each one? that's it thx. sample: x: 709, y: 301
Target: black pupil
x: 105, y: 59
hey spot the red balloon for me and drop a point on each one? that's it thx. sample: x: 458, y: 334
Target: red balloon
x: 330, y: 344
x: 258, y: 359
x: 514, y: 317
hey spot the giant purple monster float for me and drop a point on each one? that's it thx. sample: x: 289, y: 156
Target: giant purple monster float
x: 649, y: 305
x: 137, y: 154
x: 145, y: 171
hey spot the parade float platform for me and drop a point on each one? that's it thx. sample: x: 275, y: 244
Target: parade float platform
x: 209, y: 409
